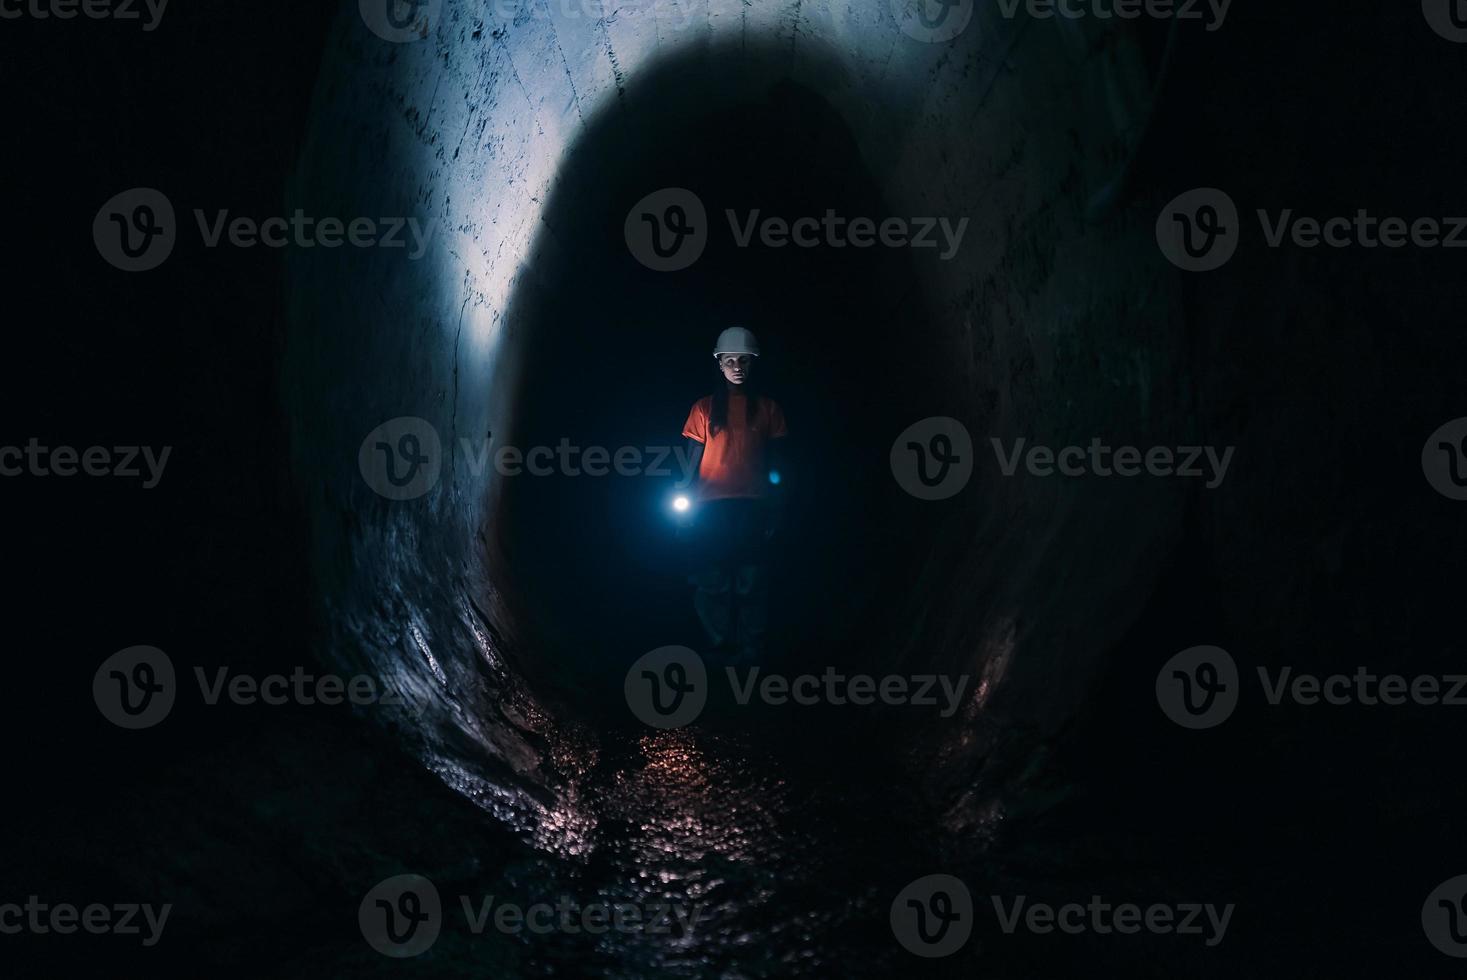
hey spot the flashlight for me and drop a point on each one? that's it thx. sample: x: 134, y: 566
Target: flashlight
x: 681, y: 503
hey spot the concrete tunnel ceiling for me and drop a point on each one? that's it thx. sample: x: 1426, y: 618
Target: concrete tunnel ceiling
x: 1057, y: 322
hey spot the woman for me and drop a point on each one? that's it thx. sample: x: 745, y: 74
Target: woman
x: 734, y: 435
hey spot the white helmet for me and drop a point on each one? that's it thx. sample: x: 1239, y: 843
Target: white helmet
x: 736, y: 340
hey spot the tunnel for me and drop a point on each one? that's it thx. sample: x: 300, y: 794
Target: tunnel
x: 395, y: 462
x: 528, y: 320
x: 506, y: 608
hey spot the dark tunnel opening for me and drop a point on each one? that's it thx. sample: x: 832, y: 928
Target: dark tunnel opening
x: 615, y: 353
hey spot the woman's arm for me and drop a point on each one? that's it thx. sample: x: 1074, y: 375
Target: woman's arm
x: 775, y: 457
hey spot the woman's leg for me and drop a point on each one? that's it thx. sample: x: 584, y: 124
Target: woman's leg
x: 712, y: 576
x: 751, y: 587
x: 751, y: 581
x: 713, y: 602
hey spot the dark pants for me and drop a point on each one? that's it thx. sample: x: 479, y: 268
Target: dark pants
x: 727, y: 559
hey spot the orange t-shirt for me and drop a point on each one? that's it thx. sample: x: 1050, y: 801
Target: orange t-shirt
x: 735, y: 459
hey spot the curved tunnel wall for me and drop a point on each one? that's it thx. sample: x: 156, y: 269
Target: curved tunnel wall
x: 1052, y: 325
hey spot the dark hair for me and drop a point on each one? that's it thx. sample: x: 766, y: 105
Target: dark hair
x: 718, y: 411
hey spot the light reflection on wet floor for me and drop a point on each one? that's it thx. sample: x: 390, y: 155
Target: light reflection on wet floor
x: 779, y: 852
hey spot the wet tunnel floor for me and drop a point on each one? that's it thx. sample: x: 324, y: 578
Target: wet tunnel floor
x: 794, y: 827
x: 797, y: 837
x: 783, y: 847
x: 797, y: 833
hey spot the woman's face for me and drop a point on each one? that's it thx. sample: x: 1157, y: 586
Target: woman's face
x: 736, y: 367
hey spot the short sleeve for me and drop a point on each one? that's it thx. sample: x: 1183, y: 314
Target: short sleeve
x: 696, y: 427
x: 777, y: 429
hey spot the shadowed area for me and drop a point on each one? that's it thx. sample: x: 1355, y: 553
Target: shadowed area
x: 615, y: 353
x: 507, y: 610
x: 493, y: 335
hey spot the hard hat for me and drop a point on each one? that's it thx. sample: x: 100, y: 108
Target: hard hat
x: 736, y: 340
